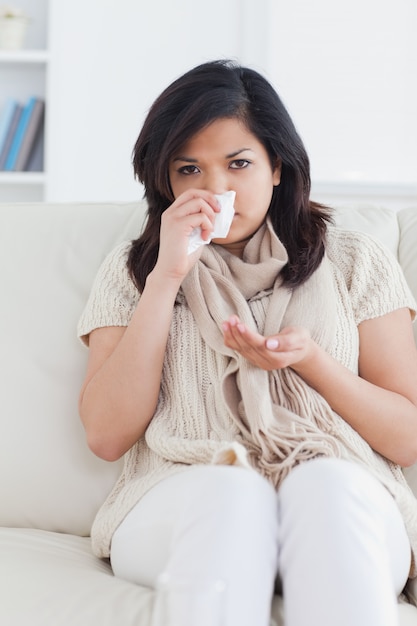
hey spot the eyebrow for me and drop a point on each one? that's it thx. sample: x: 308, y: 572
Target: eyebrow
x: 228, y: 156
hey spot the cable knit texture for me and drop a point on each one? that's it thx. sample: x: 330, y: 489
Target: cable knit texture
x: 214, y: 406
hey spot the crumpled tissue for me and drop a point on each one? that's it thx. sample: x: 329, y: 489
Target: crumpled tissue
x: 222, y: 222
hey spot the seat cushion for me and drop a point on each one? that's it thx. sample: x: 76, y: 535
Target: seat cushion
x: 408, y: 615
x: 49, y: 578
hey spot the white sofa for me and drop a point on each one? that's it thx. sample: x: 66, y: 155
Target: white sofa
x: 51, y: 484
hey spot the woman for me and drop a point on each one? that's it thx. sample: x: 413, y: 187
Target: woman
x: 285, y: 341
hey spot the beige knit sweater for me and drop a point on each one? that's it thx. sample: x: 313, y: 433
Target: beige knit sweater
x: 201, y: 428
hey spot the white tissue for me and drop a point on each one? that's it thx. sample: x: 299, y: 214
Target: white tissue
x: 222, y: 222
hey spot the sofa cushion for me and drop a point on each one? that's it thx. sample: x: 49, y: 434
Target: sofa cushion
x: 407, y: 251
x: 49, y: 255
x: 378, y: 221
x: 50, y: 579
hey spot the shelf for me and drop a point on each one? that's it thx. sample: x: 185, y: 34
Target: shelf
x: 22, y: 178
x: 24, y: 56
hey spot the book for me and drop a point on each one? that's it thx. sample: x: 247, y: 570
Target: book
x: 36, y: 158
x: 31, y: 135
x: 5, y: 119
x: 19, y: 134
x: 10, y: 135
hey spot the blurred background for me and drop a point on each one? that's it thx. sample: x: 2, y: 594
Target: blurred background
x: 347, y: 72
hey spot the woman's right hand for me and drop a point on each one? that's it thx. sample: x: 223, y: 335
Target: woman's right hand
x: 193, y: 208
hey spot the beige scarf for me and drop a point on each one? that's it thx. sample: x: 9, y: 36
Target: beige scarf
x: 282, y: 420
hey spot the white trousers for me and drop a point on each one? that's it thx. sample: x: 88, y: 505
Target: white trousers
x: 332, y: 533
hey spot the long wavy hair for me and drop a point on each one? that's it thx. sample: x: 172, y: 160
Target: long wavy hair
x: 211, y: 91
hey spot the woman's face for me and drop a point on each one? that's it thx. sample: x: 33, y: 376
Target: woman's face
x: 226, y: 156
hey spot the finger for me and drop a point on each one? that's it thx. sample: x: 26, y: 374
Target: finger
x: 252, y: 345
x: 182, y: 221
x: 196, y: 213
x: 272, y: 343
x: 201, y: 220
x: 231, y: 338
x: 244, y: 339
x: 196, y: 195
x: 289, y: 339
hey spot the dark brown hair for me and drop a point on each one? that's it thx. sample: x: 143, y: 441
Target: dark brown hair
x: 223, y: 89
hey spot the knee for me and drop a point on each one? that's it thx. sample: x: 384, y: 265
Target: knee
x: 332, y: 487
x: 238, y: 497
x: 238, y: 488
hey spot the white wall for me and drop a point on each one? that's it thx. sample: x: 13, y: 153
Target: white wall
x: 345, y: 70
x: 107, y: 69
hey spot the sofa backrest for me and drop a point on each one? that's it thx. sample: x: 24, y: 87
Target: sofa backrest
x: 396, y: 230
x: 407, y: 249
x: 49, y: 255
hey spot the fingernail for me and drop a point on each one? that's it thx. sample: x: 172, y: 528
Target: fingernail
x: 272, y: 344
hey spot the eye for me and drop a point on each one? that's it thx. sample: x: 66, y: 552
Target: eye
x: 239, y: 164
x: 186, y: 170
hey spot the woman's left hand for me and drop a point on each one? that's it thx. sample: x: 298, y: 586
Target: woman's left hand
x: 288, y: 348
x: 380, y: 403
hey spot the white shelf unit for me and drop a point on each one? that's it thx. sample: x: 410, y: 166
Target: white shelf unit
x: 22, y: 178
x: 24, y: 56
x: 24, y: 73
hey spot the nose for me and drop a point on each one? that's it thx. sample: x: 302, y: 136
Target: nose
x: 216, y: 182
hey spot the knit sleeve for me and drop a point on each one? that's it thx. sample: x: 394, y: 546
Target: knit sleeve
x: 374, y: 277
x: 113, y: 297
